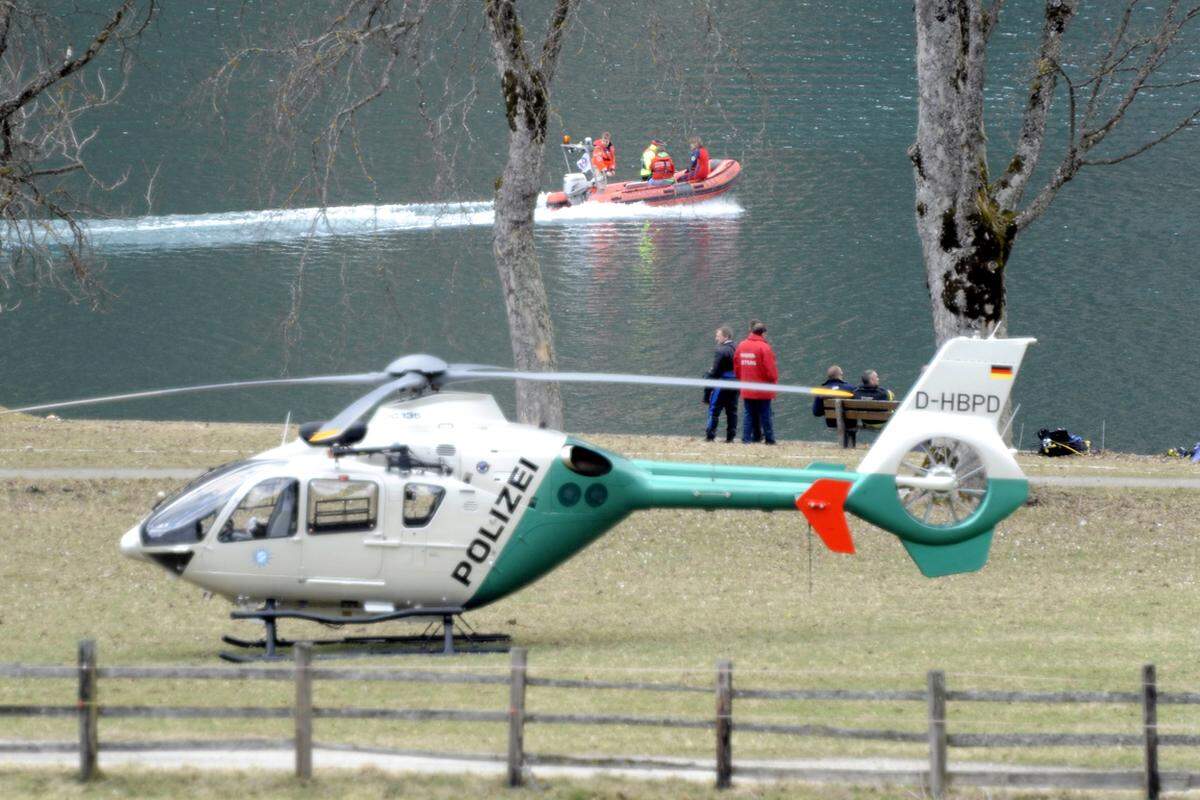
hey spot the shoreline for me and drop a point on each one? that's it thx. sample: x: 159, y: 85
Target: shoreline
x: 35, y: 442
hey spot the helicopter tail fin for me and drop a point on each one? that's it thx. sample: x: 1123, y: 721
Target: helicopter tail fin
x: 940, y: 476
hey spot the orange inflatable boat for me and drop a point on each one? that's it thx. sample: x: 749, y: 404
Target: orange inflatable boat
x: 587, y: 187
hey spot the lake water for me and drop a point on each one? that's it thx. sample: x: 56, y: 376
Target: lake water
x: 818, y: 241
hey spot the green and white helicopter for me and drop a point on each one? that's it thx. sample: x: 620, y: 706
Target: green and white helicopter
x: 415, y: 502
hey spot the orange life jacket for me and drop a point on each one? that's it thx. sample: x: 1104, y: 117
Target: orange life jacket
x: 602, y: 157
x: 662, y: 167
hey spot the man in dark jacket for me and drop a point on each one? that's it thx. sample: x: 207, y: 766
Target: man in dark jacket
x: 754, y: 361
x: 722, y: 399
x: 835, y: 379
x: 870, y: 389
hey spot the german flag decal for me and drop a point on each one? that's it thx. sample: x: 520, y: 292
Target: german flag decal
x: 1002, y: 373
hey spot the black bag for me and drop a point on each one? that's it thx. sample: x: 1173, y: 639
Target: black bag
x: 1061, y: 442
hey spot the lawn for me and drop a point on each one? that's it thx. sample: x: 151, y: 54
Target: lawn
x: 1083, y: 587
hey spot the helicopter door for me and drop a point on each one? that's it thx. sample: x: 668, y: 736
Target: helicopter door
x: 405, y: 532
x: 259, y: 537
x: 344, y: 529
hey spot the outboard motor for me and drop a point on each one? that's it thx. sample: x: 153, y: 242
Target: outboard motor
x: 575, y: 187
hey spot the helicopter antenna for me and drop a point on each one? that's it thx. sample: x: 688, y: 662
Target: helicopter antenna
x: 286, y: 424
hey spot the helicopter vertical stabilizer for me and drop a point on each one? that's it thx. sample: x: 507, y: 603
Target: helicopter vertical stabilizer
x: 940, y: 477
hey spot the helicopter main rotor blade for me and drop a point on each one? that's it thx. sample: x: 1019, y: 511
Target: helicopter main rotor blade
x: 640, y: 380
x: 364, y: 377
x: 331, y: 430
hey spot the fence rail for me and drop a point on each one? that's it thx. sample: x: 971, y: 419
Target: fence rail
x: 937, y: 777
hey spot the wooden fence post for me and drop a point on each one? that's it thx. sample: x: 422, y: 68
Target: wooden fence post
x: 724, y: 724
x: 1150, y: 730
x: 516, y: 718
x: 89, y: 711
x: 937, y: 733
x: 302, y: 652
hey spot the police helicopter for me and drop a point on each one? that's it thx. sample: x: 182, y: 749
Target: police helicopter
x: 421, y: 502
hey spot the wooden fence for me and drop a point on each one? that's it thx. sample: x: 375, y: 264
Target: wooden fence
x: 936, y: 778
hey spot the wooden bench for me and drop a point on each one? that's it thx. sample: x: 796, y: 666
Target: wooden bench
x: 845, y: 409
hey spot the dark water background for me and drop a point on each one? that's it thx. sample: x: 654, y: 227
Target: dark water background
x: 818, y: 241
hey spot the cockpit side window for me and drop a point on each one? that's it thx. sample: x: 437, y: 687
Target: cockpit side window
x: 421, y: 501
x: 336, y: 506
x: 268, y: 511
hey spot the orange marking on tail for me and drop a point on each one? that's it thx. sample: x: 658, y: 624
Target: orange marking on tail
x: 823, y: 505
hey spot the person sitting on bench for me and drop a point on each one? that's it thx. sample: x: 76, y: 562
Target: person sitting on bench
x: 834, y: 379
x: 871, y: 390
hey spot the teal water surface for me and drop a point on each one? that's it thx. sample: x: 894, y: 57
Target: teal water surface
x: 818, y: 241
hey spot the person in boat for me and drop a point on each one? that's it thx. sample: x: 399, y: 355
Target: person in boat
x: 698, y: 169
x: 662, y: 168
x: 648, y: 156
x: 604, y: 155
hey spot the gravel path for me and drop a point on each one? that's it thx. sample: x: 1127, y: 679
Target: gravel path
x: 891, y: 771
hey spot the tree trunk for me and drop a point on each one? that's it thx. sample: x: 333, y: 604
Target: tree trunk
x: 525, y: 298
x: 526, y: 85
x: 967, y: 222
x: 965, y: 237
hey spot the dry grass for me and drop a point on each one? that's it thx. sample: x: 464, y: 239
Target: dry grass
x: 370, y: 784
x: 1083, y: 587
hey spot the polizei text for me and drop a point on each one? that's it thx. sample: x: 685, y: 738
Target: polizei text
x: 499, y: 515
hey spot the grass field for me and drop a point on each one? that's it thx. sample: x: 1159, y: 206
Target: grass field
x: 371, y: 785
x: 1083, y: 587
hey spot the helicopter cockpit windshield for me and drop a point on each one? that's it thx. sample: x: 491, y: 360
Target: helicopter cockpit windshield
x: 187, y: 517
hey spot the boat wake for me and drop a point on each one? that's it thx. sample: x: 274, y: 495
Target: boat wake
x: 285, y: 225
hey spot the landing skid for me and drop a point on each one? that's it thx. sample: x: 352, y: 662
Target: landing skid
x: 430, y: 642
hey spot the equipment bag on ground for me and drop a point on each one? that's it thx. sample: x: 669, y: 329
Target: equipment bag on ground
x: 1061, y: 442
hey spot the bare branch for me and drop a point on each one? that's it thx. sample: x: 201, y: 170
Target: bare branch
x: 1187, y: 122
x: 47, y: 78
x: 1084, y: 134
x: 42, y: 149
x: 1057, y: 17
x: 991, y: 18
x: 555, y: 33
x: 1161, y: 42
x: 1110, y: 61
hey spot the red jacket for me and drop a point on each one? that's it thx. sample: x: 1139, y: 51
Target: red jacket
x: 754, y: 361
x: 698, y: 171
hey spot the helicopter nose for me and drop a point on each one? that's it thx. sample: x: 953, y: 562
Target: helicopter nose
x: 131, y: 544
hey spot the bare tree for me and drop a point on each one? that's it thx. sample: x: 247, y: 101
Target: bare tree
x: 46, y: 93
x: 966, y: 219
x: 330, y: 64
x: 526, y: 81
x: 358, y: 48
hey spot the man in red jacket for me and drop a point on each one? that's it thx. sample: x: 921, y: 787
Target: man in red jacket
x: 754, y: 361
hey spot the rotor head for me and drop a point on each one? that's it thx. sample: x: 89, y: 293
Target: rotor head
x: 420, y: 363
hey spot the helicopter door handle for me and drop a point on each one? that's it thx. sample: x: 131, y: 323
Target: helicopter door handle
x: 382, y: 542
